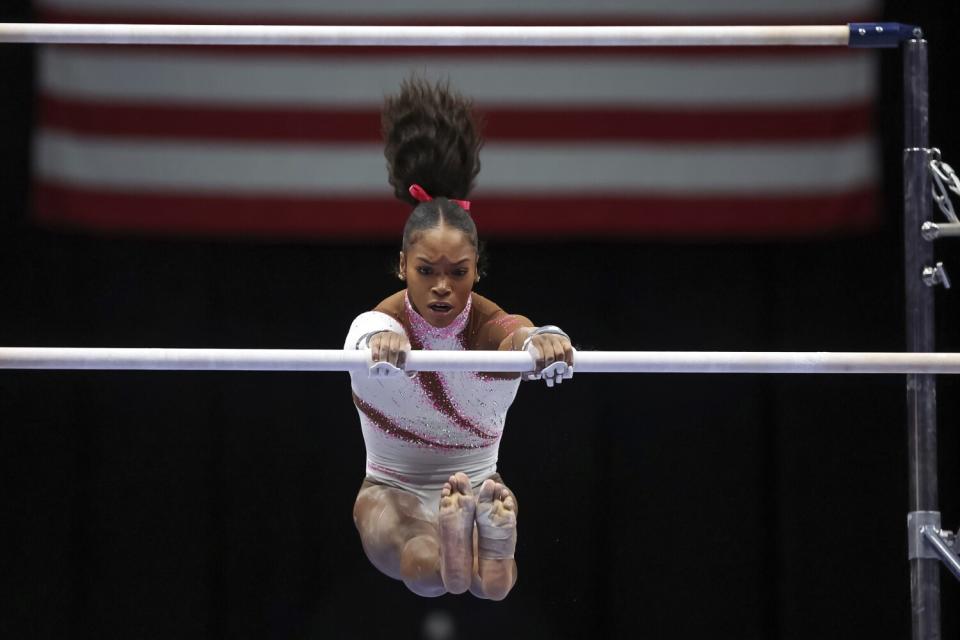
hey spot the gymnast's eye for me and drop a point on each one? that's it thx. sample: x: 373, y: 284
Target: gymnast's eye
x: 424, y: 271
x: 460, y: 273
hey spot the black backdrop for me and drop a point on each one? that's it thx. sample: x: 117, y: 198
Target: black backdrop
x: 160, y: 505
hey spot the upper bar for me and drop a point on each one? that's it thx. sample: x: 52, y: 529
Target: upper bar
x: 503, y: 361
x: 442, y: 36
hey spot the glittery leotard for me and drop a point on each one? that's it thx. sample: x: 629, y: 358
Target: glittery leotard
x: 420, y: 430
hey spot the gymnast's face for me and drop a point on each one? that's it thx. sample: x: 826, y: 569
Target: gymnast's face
x: 440, y: 267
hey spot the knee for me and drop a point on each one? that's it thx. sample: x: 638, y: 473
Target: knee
x: 364, y: 506
x: 420, y: 557
x: 420, y: 566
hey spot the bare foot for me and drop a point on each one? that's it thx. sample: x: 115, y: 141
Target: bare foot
x: 496, y: 522
x: 457, y: 508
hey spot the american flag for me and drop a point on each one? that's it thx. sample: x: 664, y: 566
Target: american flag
x: 619, y: 142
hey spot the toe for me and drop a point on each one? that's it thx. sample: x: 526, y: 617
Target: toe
x: 487, y: 491
x: 463, y: 483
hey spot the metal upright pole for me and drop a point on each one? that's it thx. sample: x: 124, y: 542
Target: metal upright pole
x: 921, y: 388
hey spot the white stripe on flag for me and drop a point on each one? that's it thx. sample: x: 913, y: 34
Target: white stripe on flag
x: 563, y: 79
x: 419, y: 8
x: 133, y: 164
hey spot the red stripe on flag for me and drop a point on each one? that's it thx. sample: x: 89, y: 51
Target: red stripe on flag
x: 150, y: 120
x: 610, y: 217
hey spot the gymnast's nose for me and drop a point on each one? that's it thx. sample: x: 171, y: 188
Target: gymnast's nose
x: 441, y: 289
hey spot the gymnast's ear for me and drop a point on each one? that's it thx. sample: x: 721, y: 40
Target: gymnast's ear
x: 402, y: 269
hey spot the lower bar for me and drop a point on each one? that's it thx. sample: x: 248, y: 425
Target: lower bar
x: 496, y: 361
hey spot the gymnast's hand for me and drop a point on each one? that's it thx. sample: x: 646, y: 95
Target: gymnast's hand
x: 553, y: 353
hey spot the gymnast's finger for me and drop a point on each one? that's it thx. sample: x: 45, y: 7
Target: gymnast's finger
x: 557, y: 345
x: 540, y: 356
x: 567, y: 349
x: 559, y: 349
x: 404, y: 351
x: 386, y: 349
x: 546, y: 348
x: 374, y: 344
x: 396, y: 342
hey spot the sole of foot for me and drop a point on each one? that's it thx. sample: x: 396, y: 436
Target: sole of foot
x: 455, y: 520
x: 496, y: 522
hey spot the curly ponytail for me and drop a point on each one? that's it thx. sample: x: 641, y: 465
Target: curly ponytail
x: 432, y: 138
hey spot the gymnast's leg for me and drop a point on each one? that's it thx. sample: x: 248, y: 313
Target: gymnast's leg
x: 400, y: 537
x: 496, y: 517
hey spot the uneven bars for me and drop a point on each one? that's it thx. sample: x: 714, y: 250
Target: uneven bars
x: 502, y: 361
x: 873, y: 34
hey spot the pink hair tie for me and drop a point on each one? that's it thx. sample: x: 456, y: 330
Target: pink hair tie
x: 421, y: 195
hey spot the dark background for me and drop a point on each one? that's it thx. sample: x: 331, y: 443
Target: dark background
x: 188, y: 505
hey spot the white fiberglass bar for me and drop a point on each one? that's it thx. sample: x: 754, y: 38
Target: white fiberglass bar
x: 584, y: 361
x: 443, y: 36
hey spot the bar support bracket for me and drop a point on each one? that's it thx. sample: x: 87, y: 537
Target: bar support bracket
x: 927, y: 541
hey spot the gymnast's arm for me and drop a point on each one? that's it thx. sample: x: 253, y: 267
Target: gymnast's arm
x: 510, y: 332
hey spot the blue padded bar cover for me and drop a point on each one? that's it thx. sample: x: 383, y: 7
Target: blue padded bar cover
x: 876, y: 35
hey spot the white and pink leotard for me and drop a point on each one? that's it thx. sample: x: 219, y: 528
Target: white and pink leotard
x: 420, y: 430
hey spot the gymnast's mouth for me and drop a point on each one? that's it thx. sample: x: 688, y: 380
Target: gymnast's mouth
x: 440, y: 307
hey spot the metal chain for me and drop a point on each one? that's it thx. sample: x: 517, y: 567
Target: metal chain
x: 945, y: 180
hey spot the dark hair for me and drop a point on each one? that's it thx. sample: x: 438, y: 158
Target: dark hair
x: 432, y: 138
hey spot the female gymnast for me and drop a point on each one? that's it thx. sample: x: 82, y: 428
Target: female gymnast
x: 432, y: 510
